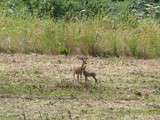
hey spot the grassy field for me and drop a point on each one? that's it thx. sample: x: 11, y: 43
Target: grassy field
x: 97, y: 37
x: 40, y: 87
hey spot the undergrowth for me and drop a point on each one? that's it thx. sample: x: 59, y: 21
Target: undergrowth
x: 97, y: 37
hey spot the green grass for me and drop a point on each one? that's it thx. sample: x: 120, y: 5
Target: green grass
x: 7, y: 118
x: 57, y: 91
x: 97, y: 37
x: 116, y: 114
x: 29, y: 83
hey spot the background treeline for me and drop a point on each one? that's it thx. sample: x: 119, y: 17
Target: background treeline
x: 94, y: 27
x: 71, y: 9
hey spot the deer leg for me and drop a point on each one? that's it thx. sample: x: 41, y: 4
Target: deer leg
x: 78, y: 77
x: 86, y: 82
x: 74, y: 77
x: 94, y: 77
x: 86, y: 79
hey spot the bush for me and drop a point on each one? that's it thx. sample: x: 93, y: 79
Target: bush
x: 67, y: 9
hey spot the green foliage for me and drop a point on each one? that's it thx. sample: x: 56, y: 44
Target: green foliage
x: 80, y: 9
x: 97, y: 37
x: 146, y: 8
x: 68, y: 9
x: 97, y: 27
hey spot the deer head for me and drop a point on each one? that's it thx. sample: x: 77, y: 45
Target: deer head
x: 84, y: 59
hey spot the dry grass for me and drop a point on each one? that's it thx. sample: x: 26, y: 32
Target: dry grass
x: 104, y: 37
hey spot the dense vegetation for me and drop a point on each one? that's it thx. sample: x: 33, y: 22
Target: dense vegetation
x: 69, y: 9
x: 95, y: 27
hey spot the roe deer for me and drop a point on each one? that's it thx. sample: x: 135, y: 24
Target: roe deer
x: 89, y: 74
x: 78, y: 71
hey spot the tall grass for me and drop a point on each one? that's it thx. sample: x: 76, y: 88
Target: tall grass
x: 97, y: 37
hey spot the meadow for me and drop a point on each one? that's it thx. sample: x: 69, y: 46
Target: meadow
x: 41, y: 87
x: 97, y: 37
x: 41, y: 41
x: 105, y: 28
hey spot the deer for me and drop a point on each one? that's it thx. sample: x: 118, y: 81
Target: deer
x: 89, y: 74
x: 79, y: 70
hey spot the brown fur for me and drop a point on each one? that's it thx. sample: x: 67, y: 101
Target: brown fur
x: 89, y: 74
x: 78, y: 71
